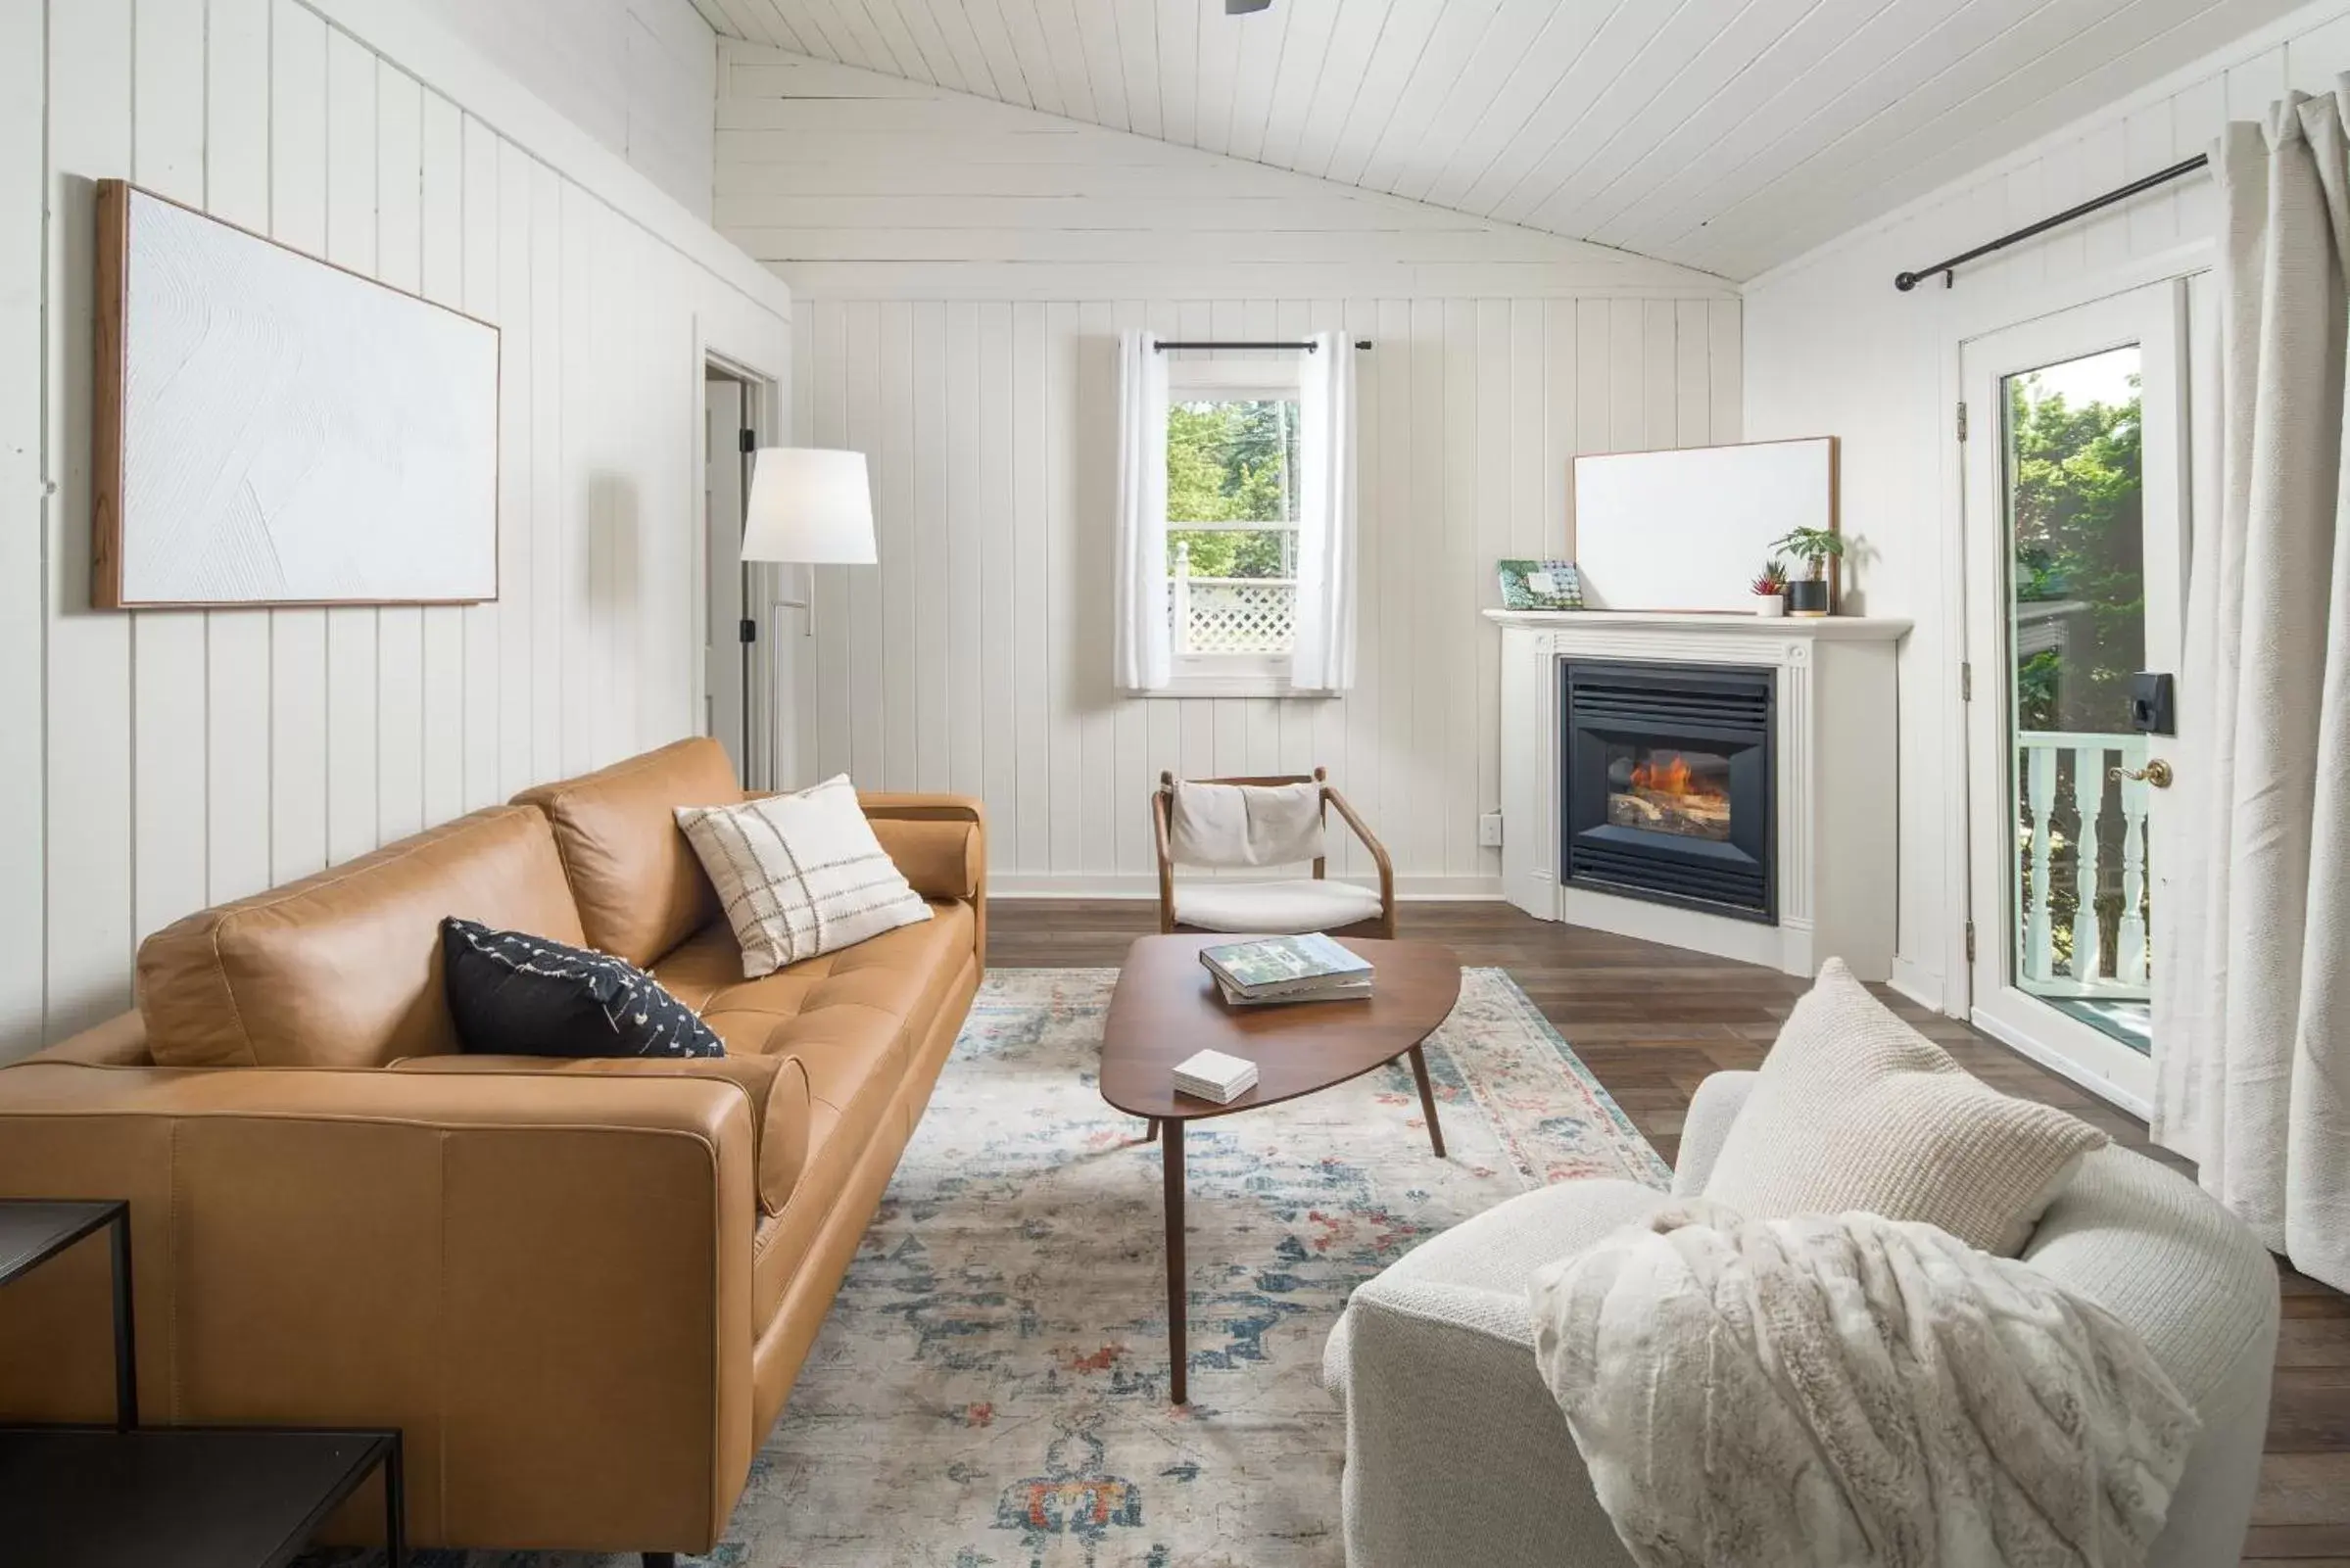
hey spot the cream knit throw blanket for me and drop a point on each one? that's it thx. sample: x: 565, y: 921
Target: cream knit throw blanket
x: 1848, y: 1391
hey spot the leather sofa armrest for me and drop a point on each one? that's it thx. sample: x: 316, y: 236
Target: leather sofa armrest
x: 940, y: 841
x: 546, y: 1284
x: 1711, y: 1110
x: 775, y: 1087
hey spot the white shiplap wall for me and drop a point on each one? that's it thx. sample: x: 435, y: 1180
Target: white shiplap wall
x: 976, y: 658
x: 639, y: 75
x: 160, y: 761
x: 1831, y: 346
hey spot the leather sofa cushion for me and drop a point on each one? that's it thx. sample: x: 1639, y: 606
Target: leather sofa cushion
x: 942, y: 859
x: 877, y: 985
x: 343, y: 969
x: 641, y: 890
x: 777, y: 1087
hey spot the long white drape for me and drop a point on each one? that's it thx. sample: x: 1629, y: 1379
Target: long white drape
x: 1139, y: 610
x: 2252, y: 1000
x: 1324, y: 659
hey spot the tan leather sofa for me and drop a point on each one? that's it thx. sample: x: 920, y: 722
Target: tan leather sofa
x: 582, y: 1290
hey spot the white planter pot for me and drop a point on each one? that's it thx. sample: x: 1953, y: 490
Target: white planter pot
x: 1770, y: 606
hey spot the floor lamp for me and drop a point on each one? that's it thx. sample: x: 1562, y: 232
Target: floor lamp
x: 810, y: 506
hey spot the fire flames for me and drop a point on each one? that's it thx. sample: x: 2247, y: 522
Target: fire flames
x: 1665, y: 771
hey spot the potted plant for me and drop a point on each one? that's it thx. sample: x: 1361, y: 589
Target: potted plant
x: 1770, y: 590
x: 1814, y: 548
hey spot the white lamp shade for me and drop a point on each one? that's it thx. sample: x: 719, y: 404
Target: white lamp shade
x: 811, y: 504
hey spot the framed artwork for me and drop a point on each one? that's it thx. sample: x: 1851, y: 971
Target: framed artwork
x: 270, y: 429
x: 1685, y: 529
x: 1541, y: 585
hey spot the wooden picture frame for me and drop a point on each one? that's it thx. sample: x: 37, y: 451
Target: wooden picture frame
x: 270, y: 430
x: 1719, y: 542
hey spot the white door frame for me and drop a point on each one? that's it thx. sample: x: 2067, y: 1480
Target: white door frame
x: 1935, y: 971
x: 769, y: 739
x: 2154, y: 318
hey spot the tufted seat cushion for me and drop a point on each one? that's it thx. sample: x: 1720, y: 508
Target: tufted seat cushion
x: 850, y: 1018
x: 1309, y: 904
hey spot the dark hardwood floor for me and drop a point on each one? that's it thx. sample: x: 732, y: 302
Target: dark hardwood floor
x: 1652, y: 1021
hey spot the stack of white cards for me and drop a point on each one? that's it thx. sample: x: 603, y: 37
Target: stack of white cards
x: 1214, y: 1076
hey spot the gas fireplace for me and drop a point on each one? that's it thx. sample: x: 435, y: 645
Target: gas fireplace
x: 1667, y: 785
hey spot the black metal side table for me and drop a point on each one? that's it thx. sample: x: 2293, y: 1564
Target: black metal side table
x: 131, y: 1496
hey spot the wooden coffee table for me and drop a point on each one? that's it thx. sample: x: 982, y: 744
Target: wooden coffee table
x: 1166, y: 1007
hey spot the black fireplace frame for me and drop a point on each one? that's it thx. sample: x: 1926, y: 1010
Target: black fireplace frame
x: 1731, y: 707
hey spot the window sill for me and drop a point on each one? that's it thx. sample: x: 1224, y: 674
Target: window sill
x: 1232, y: 686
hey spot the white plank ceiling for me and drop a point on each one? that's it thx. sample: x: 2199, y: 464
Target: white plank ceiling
x: 1728, y: 135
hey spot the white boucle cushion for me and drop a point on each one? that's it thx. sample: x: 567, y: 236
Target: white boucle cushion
x: 799, y: 874
x: 1854, y: 1109
x: 1276, y: 909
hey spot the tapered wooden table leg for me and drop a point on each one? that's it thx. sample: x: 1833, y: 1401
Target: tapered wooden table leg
x: 1151, y: 1133
x: 1427, y: 1100
x: 1177, y: 1297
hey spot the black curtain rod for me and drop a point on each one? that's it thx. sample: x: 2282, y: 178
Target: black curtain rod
x: 1360, y: 343
x: 1910, y: 280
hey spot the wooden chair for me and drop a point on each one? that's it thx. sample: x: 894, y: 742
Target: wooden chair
x: 1274, y: 908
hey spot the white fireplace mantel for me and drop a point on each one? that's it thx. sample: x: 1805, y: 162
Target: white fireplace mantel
x: 1834, y: 785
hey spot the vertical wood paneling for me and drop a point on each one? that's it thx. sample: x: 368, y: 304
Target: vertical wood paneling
x: 158, y: 761
x: 237, y: 692
x: 91, y: 880
x: 24, y: 584
x: 298, y: 742
x: 399, y: 628
x: 353, y: 787
x: 989, y: 429
x: 170, y: 685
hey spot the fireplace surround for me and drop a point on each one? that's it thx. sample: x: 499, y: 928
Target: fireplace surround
x: 1823, y: 835
x: 1666, y: 784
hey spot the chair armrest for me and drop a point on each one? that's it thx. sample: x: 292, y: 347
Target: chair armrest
x: 940, y: 842
x: 1455, y: 1451
x: 1706, y: 1125
x: 1378, y: 851
x: 544, y: 1281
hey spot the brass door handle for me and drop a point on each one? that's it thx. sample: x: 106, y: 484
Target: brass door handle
x: 2156, y: 772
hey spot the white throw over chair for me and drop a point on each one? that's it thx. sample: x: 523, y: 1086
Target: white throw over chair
x: 1233, y: 824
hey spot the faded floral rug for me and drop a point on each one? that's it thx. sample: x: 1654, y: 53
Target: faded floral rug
x: 991, y: 1389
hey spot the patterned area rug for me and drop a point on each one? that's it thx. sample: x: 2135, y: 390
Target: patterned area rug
x: 989, y: 1391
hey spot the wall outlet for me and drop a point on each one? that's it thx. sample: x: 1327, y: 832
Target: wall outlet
x: 1489, y: 831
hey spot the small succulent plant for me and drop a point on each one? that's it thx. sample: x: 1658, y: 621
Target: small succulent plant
x: 1772, y: 579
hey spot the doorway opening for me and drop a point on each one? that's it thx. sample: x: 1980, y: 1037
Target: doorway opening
x: 742, y: 682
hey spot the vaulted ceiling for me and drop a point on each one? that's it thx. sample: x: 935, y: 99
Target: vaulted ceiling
x: 1723, y: 134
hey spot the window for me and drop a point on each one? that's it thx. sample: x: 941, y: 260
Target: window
x: 1232, y: 513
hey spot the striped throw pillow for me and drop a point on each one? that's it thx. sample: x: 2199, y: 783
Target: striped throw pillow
x: 799, y: 874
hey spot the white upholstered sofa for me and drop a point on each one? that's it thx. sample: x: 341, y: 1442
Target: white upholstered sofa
x: 1455, y: 1454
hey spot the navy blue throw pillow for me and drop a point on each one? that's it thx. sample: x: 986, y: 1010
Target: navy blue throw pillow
x: 515, y: 994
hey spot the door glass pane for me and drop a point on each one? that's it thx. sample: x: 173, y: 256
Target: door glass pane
x: 2076, y: 619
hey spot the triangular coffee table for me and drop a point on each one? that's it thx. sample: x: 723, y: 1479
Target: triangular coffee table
x: 1167, y: 1006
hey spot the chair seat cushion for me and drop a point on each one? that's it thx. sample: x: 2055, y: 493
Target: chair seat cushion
x: 1276, y: 908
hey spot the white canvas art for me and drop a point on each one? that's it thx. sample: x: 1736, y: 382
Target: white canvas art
x: 1689, y: 529
x: 292, y: 433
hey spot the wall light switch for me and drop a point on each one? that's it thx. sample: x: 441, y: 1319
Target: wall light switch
x: 1489, y: 831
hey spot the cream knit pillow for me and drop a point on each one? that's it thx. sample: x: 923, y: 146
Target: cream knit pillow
x: 1856, y: 1109
x: 799, y: 874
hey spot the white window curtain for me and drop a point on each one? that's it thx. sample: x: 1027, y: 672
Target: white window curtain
x: 1140, y: 614
x: 1323, y: 657
x: 2252, y: 994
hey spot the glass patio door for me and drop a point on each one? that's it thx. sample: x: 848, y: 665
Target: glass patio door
x: 2075, y: 473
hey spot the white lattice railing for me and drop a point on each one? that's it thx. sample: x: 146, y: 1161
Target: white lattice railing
x: 2080, y: 874
x: 1229, y: 614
